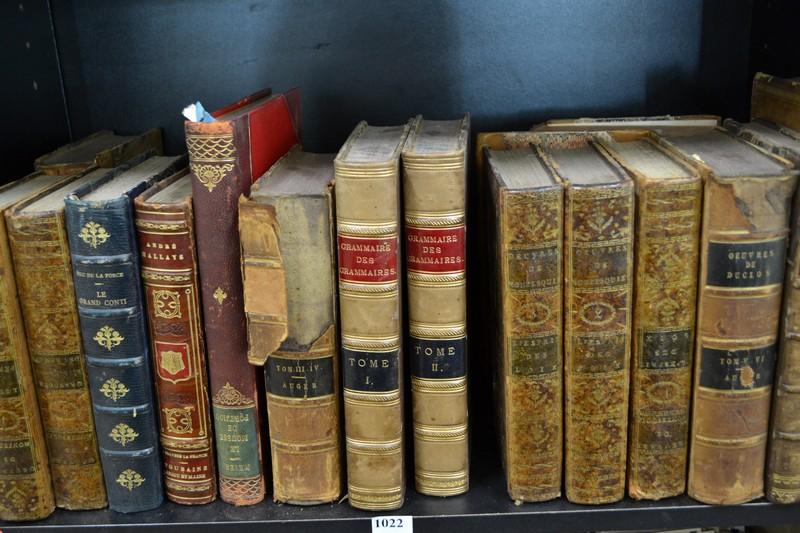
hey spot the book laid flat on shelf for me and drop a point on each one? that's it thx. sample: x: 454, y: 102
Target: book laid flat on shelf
x: 105, y: 269
x: 746, y: 208
x: 289, y: 275
x: 668, y: 200
x: 226, y: 156
x: 655, y: 123
x: 165, y: 229
x: 40, y: 247
x: 598, y: 264
x: 783, y: 456
x: 103, y: 149
x: 776, y: 100
x: 528, y: 232
x: 368, y: 234
x: 435, y: 189
x: 26, y: 491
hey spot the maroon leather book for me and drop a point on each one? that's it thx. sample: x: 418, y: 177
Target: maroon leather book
x: 164, y: 226
x: 226, y: 156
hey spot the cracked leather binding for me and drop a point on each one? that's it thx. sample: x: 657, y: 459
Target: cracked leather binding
x: 289, y: 276
x: 598, y: 264
x: 783, y: 455
x: 165, y: 228
x: 746, y: 208
x: 434, y: 187
x: 527, y: 229
x: 226, y: 156
x: 668, y: 198
x: 105, y: 270
x: 44, y: 279
x: 368, y: 235
x: 776, y: 100
x: 102, y: 149
x: 26, y: 491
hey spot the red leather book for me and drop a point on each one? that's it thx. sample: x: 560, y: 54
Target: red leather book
x: 226, y: 156
x: 165, y: 228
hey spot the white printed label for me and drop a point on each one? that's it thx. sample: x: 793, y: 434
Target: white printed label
x: 393, y: 524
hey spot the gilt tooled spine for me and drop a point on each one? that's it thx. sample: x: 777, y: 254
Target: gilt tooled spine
x: 219, y: 155
x: 26, y: 491
x: 302, y: 381
x: 169, y: 275
x: 598, y: 262
x: 742, y: 251
x: 530, y: 257
x: 369, y: 301
x: 105, y: 263
x: 435, y: 233
x: 667, y: 239
x: 47, y: 296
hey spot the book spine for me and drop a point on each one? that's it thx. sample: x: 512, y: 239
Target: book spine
x: 169, y: 274
x: 219, y: 155
x: 530, y: 264
x: 371, y: 329
x: 105, y: 263
x: 783, y: 465
x: 435, y: 233
x: 47, y: 296
x: 25, y: 485
x: 599, y: 263
x: 302, y: 380
x: 743, y: 250
x: 776, y: 100
x: 667, y: 241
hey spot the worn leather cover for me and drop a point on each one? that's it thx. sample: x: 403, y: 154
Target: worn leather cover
x: 171, y: 287
x: 783, y: 456
x: 598, y: 267
x: 26, y: 491
x: 368, y: 234
x: 226, y: 156
x: 527, y: 263
x: 105, y: 265
x: 666, y: 242
x: 47, y: 295
x: 742, y: 249
x: 654, y: 123
x: 434, y: 187
x: 289, y: 276
x: 776, y: 100
x: 114, y: 155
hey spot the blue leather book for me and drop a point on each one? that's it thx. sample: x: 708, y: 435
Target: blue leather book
x: 105, y: 267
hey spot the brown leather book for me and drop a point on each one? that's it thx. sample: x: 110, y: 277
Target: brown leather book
x: 598, y: 265
x: 435, y: 187
x: 668, y: 196
x: 527, y: 229
x: 783, y: 455
x: 289, y: 276
x: 776, y: 100
x: 746, y: 208
x: 26, y: 491
x: 226, y: 156
x: 368, y: 234
x: 165, y: 228
x: 102, y: 149
x: 43, y: 268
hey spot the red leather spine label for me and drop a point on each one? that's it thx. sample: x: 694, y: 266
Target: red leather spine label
x: 367, y: 260
x: 435, y: 249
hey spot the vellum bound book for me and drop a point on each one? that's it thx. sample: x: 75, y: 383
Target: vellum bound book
x: 289, y: 274
x: 368, y: 239
x: 434, y: 186
x: 746, y: 209
x: 527, y: 228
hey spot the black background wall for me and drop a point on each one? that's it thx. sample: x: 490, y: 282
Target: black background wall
x: 130, y: 66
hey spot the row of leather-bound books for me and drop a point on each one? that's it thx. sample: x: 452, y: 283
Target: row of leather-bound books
x: 196, y: 327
